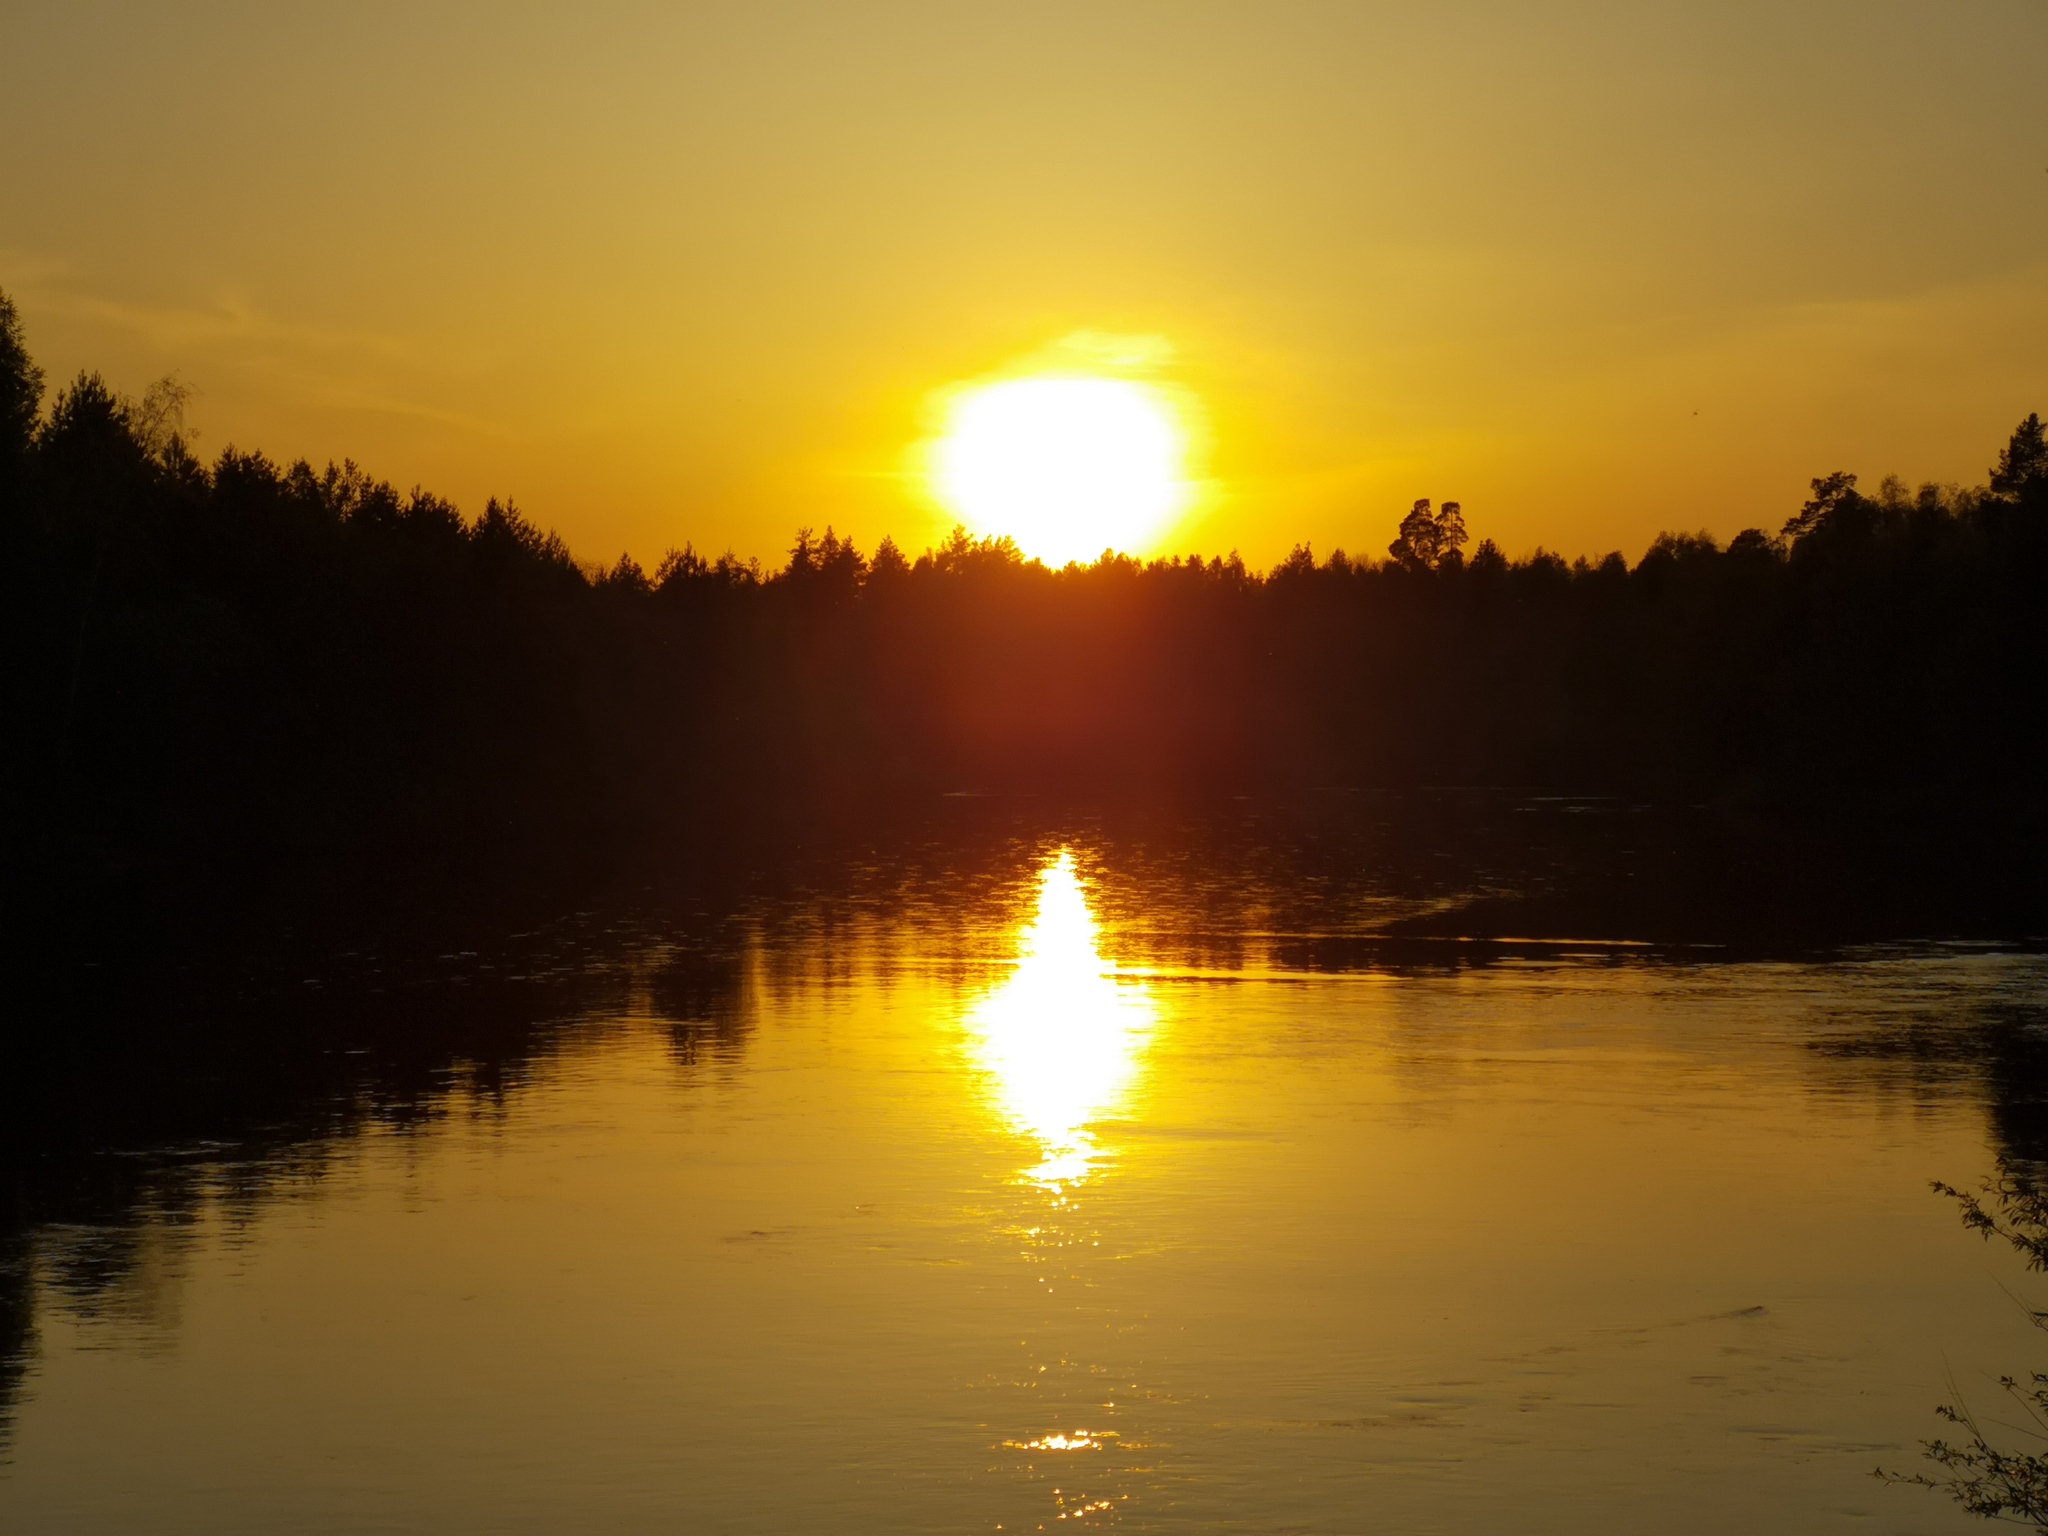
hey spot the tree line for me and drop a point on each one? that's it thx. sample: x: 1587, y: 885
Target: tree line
x: 239, y: 665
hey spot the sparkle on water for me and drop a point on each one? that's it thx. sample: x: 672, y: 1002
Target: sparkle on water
x: 1061, y: 1038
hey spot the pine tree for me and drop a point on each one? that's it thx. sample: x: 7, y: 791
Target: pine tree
x: 2024, y: 463
x: 21, y: 389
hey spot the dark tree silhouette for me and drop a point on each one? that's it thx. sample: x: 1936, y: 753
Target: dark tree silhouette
x: 2022, y: 468
x: 1831, y: 494
x: 21, y: 392
x: 231, y: 675
x: 1428, y: 540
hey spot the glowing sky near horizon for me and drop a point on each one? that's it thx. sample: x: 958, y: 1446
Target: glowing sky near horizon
x: 700, y: 271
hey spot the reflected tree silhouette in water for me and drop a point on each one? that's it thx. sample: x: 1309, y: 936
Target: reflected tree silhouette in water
x: 1996, y: 1051
x: 17, y: 1323
x: 141, y: 1114
x: 700, y: 995
x: 221, y: 1089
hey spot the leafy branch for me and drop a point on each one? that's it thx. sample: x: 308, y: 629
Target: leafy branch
x: 1983, y: 1477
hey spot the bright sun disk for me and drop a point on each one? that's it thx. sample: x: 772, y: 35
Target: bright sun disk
x: 1067, y: 465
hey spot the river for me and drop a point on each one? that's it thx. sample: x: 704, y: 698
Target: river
x: 1083, y: 1187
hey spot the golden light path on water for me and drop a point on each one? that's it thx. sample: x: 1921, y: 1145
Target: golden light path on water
x: 1061, y: 1039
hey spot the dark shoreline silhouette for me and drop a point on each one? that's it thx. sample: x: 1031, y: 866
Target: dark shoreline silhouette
x: 242, y: 688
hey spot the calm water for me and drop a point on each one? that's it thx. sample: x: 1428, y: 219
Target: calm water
x: 1063, y: 1191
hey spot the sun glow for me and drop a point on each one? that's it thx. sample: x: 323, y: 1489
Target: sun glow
x: 1068, y: 465
x: 1061, y: 1038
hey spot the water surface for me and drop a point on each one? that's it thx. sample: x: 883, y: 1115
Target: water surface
x: 1077, y: 1189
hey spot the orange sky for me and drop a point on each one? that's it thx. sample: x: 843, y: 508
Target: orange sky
x: 696, y: 271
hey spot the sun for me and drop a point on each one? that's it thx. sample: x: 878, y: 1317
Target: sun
x: 1068, y: 465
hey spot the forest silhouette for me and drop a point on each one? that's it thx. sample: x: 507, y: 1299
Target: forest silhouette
x: 223, y: 673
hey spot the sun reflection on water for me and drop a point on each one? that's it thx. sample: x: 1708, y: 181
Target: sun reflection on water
x: 1079, y: 1440
x: 1061, y: 1037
